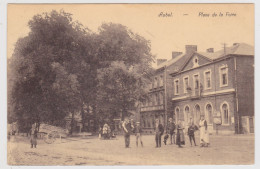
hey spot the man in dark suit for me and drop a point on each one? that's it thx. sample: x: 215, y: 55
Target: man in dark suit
x: 171, y: 130
x: 127, y: 128
x: 158, y: 132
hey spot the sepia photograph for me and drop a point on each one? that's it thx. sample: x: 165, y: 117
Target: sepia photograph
x: 130, y: 84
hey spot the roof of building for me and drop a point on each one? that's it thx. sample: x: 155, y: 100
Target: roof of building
x: 178, y: 64
x: 169, y: 62
x: 179, y: 61
x: 236, y: 49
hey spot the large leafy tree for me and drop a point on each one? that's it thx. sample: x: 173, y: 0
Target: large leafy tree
x: 125, y: 60
x: 61, y: 66
x: 42, y: 84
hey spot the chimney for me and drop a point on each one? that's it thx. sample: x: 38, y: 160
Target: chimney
x: 210, y: 50
x: 175, y: 54
x: 191, y: 48
x: 159, y: 61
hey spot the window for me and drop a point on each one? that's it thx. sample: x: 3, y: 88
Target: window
x: 154, y: 99
x: 197, y: 114
x: 225, y: 113
x: 177, y: 112
x: 161, y: 80
x: 196, y: 81
x: 156, y: 82
x: 187, y: 112
x: 161, y: 98
x: 176, y: 86
x: 143, y: 121
x: 150, y: 101
x: 223, y: 71
x: 209, y: 114
x: 157, y: 99
x: 195, y: 62
x: 185, y: 83
x: 207, y: 79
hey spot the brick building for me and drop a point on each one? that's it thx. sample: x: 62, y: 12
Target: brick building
x: 159, y: 104
x: 217, y: 84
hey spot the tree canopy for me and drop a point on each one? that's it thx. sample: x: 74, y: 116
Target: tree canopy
x: 60, y: 66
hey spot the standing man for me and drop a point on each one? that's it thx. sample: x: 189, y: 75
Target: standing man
x: 171, y: 130
x: 158, y: 132
x: 33, y: 138
x: 192, y: 128
x: 138, y: 131
x: 127, y: 131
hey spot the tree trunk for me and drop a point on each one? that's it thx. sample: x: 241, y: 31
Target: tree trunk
x: 83, y: 117
x: 95, y: 127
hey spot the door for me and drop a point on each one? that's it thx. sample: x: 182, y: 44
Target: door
x: 197, y: 114
x: 251, y: 125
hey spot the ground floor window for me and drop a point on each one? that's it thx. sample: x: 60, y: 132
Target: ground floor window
x: 225, y: 113
x: 197, y: 114
x: 209, y: 113
x: 188, y: 115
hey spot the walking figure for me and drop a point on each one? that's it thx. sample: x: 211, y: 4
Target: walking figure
x: 33, y: 137
x: 158, y: 132
x: 192, y: 128
x: 138, y: 131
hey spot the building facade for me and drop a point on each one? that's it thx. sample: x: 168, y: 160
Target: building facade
x: 159, y: 103
x: 219, y: 85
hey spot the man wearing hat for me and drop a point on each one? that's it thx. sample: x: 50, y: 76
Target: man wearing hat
x: 127, y: 131
x: 171, y: 130
x: 138, y: 131
x: 158, y: 132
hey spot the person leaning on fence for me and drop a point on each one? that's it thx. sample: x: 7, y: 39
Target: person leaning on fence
x: 158, y: 133
x: 138, y: 133
x: 127, y: 131
x: 33, y: 137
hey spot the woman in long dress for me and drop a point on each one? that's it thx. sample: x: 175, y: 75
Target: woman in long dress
x: 204, y: 135
x: 180, y: 135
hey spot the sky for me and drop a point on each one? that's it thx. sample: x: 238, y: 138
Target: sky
x: 166, y: 34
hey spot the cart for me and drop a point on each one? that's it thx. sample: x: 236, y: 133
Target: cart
x: 51, y: 133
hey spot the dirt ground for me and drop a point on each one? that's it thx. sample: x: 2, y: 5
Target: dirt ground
x: 234, y: 149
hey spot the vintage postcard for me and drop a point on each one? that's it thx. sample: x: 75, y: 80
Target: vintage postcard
x: 130, y: 84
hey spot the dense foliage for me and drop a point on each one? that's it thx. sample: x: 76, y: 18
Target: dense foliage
x: 61, y: 66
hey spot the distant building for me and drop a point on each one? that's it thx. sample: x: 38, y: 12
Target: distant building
x: 159, y: 104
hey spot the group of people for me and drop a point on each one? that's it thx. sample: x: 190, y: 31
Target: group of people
x: 172, y: 130
x: 129, y: 128
x: 106, y: 132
